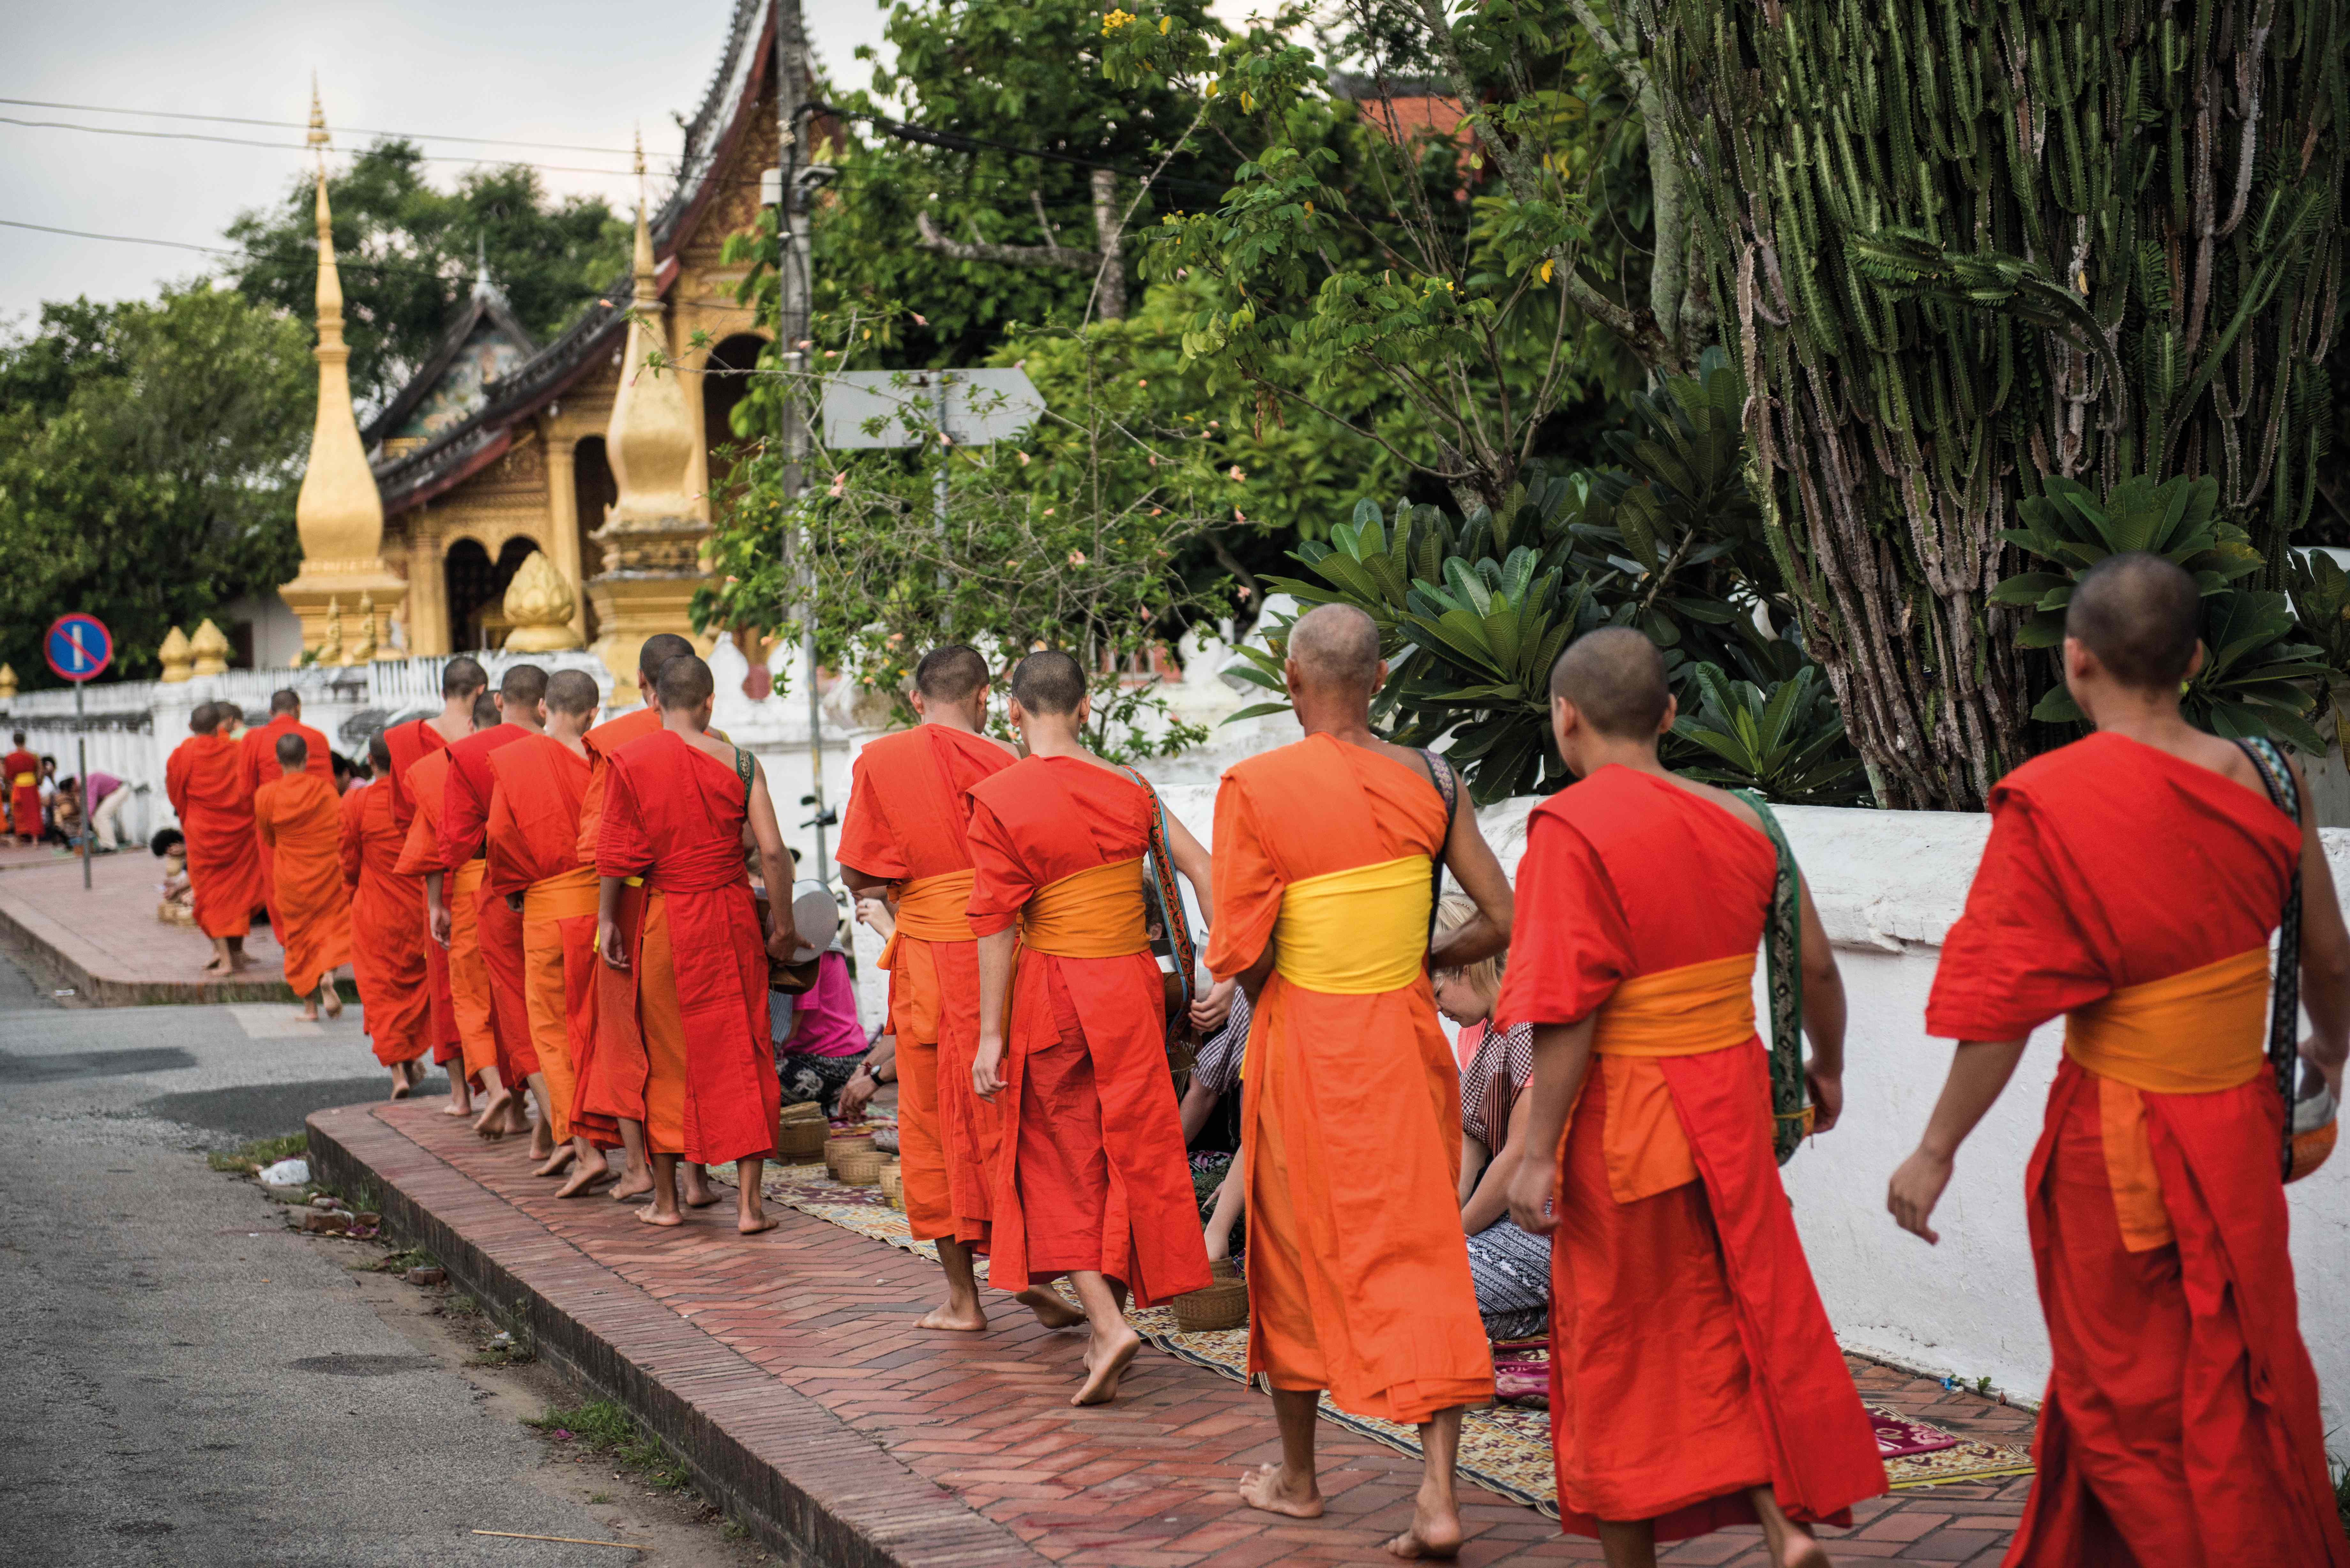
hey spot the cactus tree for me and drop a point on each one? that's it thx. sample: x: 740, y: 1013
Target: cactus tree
x: 1963, y: 246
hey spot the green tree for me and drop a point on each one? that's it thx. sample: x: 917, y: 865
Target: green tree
x: 408, y: 253
x: 150, y: 455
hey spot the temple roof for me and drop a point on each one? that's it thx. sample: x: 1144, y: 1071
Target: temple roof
x: 484, y: 343
x: 462, y: 446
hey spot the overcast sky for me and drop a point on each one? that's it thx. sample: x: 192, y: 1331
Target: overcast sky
x: 585, y: 73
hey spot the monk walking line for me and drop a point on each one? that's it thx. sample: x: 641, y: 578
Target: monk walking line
x: 632, y: 1084
x: 902, y: 840
x: 205, y: 784
x: 2130, y: 882
x: 257, y: 762
x: 676, y: 806
x: 298, y: 819
x: 1091, y: 1180
x: 462, y: 682
x: 387, y: 933
x: 1327, y: 856
x: 1697, y: 1383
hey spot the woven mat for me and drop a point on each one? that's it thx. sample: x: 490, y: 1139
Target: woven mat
x: 1503, y: 1448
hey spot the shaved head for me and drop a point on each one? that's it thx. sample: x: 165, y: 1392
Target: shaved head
x: 571, y: 691
x: 486, y: 711
x: 523, y: 683
x: 2138, y: 615
x: 285, y: 700
x: 1049, y: 682
x: 654, y: 657
x: 1336, y: 648
x: 292, y: 751
x: 379, y: 754
x: 202, y: 720
x: 1616, y: 679
x: 462, y: 677
x: 685, y: 682
x: 951, y: 673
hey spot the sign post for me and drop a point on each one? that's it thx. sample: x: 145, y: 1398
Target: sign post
x: 79, y: 647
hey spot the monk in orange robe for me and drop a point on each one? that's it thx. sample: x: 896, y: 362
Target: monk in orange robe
x: 256, y: 752
x: 1359, y: 1274
x: 902, y: 839
x: 1696, y: 1382
x: 461, y: 681
x: 675, y: 807
x: 2131, y: 882
x: 533, y: 843
x: 298, y: 818
x: 633, y: 1081
x: 206, y: 788
x: 1091, y: 1180
x: 464, y: 823
x: 20, y: 777
x: 388, y: 934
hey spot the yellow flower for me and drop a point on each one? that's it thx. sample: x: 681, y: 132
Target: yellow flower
x: 1546, y: 271
x: 1112, y: 21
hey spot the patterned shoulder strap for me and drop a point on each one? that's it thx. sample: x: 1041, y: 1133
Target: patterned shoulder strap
x: 743, y: 767
x: 1783, y: 958
x: 1167, y: 898
x: 1447, y: 784
x: 2284, y: 992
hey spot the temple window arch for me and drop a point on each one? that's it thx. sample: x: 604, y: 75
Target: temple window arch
x: 477, y: 589
x: 725, y: 379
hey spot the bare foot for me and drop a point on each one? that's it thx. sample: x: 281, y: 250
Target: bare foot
x: 401, y: 1085
x: 754, y: 1222
x: 959, y: 1320
x: 655, y: 1216
x: 542, y: 1141
x: 463, y: 1108
x: 1435, y: 1530
x: 635, y: 1184
x: 584, y: 1180
x: 332, y: 999
x: 1802, y: 1552
x: 238, y: 963
x: 309, y: 1015
x: 697, y: 1188
x: 1272, y: 1488
x: 564, y: 1154
x: 491, y: 1122
x: 1103, y: 1372
x: 1052, y: 1309
x: 219, y: 965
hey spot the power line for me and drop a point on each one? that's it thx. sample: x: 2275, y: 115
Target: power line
x: 122, y: 239
x: 304, y: 125
x: 291, y: 146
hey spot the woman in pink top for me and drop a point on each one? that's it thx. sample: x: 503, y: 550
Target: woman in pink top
x: 818, y: 1041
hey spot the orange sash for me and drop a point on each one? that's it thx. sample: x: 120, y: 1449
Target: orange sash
x: 563, y: 897
x: 930, y: 909
x: 1685, y: 1012
x: 1096, y: 913
x: 2198, y: 1033
x: 933, y: 908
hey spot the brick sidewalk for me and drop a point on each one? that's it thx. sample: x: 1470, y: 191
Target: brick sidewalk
x: 907, y: 1447
x: 106, y: 942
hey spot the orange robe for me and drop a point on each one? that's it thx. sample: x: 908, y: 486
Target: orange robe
x: 1091, y: 1173
x: 206, y: 789
x: 410, y: 744
x: 20, y: 773
x: 637, y: 1070
x: 256, y: 761
x: 468, y: 983
x: 533, y: 842
x: 497, y: 929
x: 388, y: 935
x: 299, y: 821
x: 908, y: 801
x: 1350, y: 1109
x: 2181, y: 1422
x: 1692, y: 1357
x: 673, y: 815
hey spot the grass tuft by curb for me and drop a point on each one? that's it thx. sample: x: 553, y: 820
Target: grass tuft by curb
x: 606, y: 1427
x: 262, y: 1152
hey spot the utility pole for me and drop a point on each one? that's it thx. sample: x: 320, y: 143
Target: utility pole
x: 795, y: 160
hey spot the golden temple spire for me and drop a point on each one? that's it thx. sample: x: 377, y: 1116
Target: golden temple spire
x: 651, y: 436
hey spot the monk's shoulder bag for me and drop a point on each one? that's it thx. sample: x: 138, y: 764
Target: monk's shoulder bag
x: 2309, y: 1130
x: 1782, y: 964
x: 1174, y: 925
x: 1448, y: 786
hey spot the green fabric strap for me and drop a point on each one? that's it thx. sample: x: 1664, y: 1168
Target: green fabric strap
x: 2284, y: 994
x: 1783, y: 955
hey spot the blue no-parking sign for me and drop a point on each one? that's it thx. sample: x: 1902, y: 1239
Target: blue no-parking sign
x: 78, y: 647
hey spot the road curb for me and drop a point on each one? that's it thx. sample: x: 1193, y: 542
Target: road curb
x: 39, y: 937
x: 809, y: 1485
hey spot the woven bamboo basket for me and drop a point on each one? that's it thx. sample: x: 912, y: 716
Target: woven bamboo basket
x: 893, y: 1183
x: 800, y: 1142
x: 1223, y: 1304
x: 858, y: 1167
x: 803, y: 1111
x: 838, y: 1146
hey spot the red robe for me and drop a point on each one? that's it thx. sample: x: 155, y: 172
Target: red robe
x: 411, y: 744
x: 388, y: 935
x: 256, y: 761
x: 673, y: 815
x: 1358, y: 1274
x: 299, y: 821
x: 1692, y: 1359
x: 24, y: 798
x: 637, y: 1070
x: 908, y: 801
x: 533, y: 840
x: 205, y: 788
x: 2181, y: 1421
x: 1092, y: 1172
x: 464, y: 823
x: 471, y: 1012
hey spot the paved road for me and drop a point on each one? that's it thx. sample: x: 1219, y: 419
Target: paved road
x: 188, y: 1382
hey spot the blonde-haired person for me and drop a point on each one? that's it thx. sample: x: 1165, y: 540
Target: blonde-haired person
x: 1510, y: 1268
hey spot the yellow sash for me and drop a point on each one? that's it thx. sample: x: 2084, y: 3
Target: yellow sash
x: 466, y: 879
x: 933, y: 909
x: 26, y: 781
x: 1357, y: 932
x: 1684, y: 1012
x: 561, y: 898
x: 2198, y: 1032
x: 1097, y: 913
